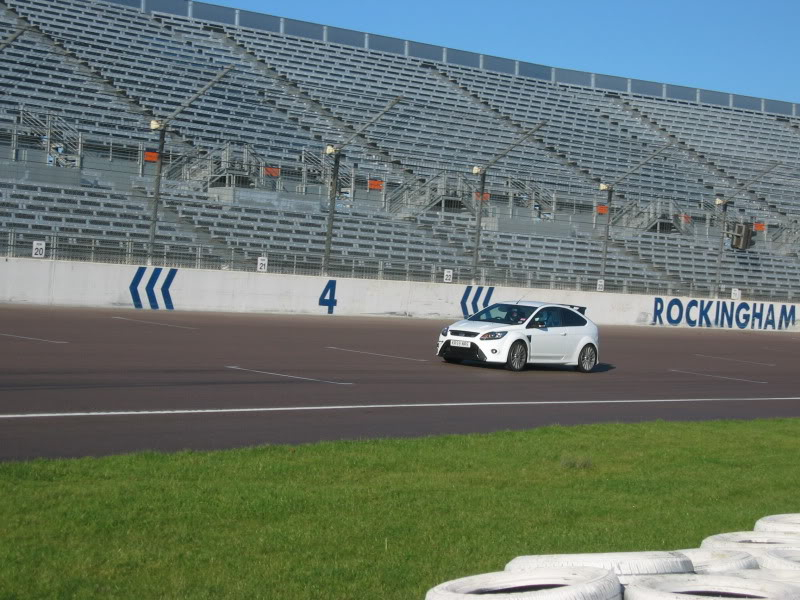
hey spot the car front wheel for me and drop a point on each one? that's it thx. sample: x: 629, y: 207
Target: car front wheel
x: 517, y: 357
x: 587, y: 360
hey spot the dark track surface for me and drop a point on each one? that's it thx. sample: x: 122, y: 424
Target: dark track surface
x: 120, y: 360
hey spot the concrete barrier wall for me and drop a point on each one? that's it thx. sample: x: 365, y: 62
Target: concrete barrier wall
x: 65, y: 283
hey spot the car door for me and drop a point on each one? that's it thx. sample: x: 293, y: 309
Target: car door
x: 575, y: 328
x: 547, y: 335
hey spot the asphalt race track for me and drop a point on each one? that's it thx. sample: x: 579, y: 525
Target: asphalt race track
x: 78, y: 382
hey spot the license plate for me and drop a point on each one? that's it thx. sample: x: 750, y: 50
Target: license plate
x: 460, y: 343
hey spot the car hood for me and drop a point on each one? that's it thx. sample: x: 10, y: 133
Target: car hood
x: 480, y: 326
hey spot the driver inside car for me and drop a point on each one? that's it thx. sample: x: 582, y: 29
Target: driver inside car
x: 516, y: 316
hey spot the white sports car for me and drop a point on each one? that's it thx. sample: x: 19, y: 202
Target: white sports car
x: 520, y: 333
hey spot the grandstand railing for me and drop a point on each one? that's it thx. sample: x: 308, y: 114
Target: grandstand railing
x: 14, y: 244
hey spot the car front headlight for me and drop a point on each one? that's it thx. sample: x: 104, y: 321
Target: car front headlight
x: 445, y: 331
x: 493, y: 335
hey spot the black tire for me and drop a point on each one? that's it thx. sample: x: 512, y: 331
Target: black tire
x: 517, y: 356
x: 450, y: 359
x: 587, y: 359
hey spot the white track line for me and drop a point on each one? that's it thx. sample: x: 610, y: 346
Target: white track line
x: 717, y: 376
x: 200, y: 411
x: 289, y: 376
x: 749, y: 362
x: 22, y: 337
x: 375, y: 354
x: 152, y: 323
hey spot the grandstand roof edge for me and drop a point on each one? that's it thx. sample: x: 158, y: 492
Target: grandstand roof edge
x: 557, y: 75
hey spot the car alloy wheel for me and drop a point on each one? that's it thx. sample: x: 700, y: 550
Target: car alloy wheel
x: 517, y: 357
x: 588, y: 358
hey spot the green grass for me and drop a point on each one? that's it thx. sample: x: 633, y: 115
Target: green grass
x: 380, y: 519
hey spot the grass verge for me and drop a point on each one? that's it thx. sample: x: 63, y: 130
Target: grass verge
x: 380, y: 519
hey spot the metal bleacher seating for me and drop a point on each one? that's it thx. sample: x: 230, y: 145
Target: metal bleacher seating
x: 108, y: 67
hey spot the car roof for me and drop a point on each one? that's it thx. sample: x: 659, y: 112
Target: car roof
x: 533, y: 303
x: 538, y: 304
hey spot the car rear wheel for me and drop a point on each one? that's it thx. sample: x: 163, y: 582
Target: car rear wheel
x: 587, y: 360
x: 517, y: 357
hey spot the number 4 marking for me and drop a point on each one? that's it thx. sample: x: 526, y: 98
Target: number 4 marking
x: 328, y: 296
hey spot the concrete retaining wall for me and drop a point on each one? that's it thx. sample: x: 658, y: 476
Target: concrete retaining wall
x: 65, y: 283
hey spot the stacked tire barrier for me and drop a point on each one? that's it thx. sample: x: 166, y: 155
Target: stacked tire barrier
x: 763, y: 564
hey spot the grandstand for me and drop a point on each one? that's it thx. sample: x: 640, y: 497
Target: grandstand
x: 245, y: 173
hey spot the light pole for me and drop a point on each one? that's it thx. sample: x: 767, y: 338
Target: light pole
x: 482, y: 190
x: 723, y: 204
x: 161, y: 126
x: 609, y: 188
x: 336, y: 151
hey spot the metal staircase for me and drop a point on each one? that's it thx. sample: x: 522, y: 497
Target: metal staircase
x: 446, y: 190
x: 318, y: 167
x: 63, y: 143
x: 228, y: 165
x: 657, y: 215
x: 786, y: 240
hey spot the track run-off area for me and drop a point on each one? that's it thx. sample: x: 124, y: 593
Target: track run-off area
x: 90, y: 382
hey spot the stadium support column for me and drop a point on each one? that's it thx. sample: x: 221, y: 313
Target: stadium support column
x: 479, y: 202
x: 162, y: 125
x: 333, y: 190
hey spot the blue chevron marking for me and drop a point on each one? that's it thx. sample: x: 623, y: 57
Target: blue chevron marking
x: 151, y: 283
x: 464, y: 299
x: 488, y: 298
x: 475, y: 299
x: 137, y: 278
x: 165, y: 289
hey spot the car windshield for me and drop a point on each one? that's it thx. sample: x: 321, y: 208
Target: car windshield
x: 506, y: 314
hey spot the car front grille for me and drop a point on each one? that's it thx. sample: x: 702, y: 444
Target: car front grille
x: 460, y: 333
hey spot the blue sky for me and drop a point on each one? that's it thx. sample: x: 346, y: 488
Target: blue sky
x: 740, y: 46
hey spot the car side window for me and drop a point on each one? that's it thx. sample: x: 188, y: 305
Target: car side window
x: 549, y: 317
x: 571, y: 319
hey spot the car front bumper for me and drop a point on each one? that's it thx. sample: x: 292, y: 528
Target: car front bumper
x: 493, y: 351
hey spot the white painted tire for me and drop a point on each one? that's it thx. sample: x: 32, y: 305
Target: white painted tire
x: 789, y: 577
x: 578, y: 583
x: 624, y: 564
x: 754, y: 542
x: 701, y: 587
x: 718, y: 560
x: 787, y: 523
x: 782, y: 559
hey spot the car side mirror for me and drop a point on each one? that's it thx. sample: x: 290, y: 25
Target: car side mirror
x: 536, y: 325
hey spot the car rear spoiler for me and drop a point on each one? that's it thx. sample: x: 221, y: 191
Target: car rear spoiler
x: 580, y: 309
